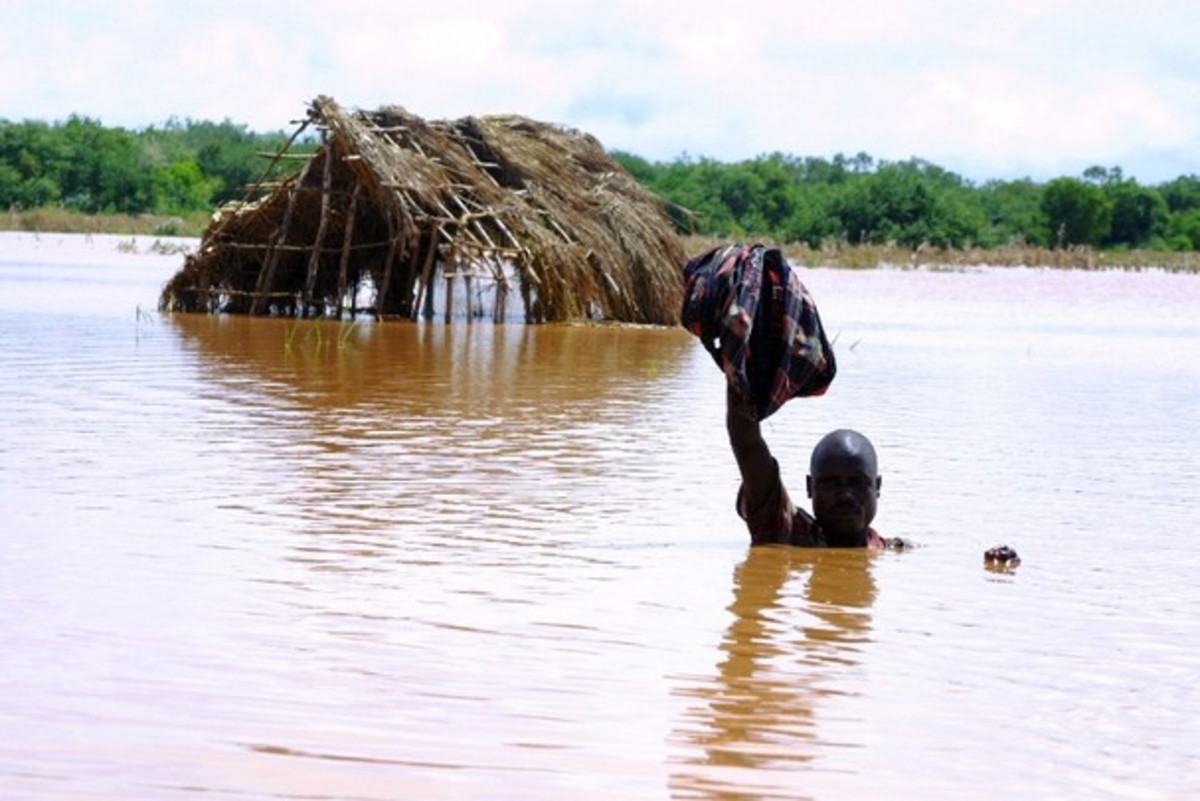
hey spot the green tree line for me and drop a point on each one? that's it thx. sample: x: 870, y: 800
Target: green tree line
x: 190, y: 166
x: 858, y: 200
x: 81, y: 165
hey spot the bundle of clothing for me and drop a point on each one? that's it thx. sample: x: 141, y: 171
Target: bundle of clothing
x: 748, y: 307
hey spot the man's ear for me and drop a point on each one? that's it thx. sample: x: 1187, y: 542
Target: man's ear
x: 878, y: 484
x: 808, y: 485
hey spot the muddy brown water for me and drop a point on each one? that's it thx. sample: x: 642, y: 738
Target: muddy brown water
x: 243, y: 559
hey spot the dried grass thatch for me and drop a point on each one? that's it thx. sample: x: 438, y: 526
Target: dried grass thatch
x: 391, y: 203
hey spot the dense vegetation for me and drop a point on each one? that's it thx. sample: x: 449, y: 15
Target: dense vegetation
x: 179, y: 168
x: 188, y: 167
x: 859, y: 201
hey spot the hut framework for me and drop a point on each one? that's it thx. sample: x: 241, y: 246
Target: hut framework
x: 391, y: 206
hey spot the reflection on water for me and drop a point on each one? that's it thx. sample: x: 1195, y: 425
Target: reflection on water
x: 800, y: 618
x: 451, y: 429
x: 245, y: 559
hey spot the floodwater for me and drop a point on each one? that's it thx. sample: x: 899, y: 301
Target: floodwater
x: 256, y: 559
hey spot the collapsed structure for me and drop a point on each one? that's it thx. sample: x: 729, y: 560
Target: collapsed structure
x: 401, y: 217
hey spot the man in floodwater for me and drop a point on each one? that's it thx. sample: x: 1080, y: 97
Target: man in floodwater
x: 757, y: 320
x: 843, y: 483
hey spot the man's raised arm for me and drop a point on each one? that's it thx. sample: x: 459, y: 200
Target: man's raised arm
x: 754, y: 459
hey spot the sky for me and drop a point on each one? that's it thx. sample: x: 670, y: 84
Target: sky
x: 996, y: 89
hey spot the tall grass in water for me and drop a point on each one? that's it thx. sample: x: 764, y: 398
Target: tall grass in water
x: 311, y: 334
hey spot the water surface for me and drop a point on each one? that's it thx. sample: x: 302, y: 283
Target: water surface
x: 250, y: 559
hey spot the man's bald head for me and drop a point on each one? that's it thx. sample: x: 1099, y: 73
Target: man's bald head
x: 844, y: 442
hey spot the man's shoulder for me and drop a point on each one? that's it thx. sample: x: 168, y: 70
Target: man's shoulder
x: 805, y: 531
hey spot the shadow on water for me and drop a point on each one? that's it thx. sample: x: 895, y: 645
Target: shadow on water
x: 800, y: 619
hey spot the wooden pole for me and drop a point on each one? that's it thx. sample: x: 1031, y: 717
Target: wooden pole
x: 381, y: 292
x: 347, y: 240
x: 424, y: 289
x: 410, y: 273
x: 501, y: 301
x: 427, y: 311
x: 314, y: 258
x: 450, y: 290
x: 468, y: 281
x: 254, y: 188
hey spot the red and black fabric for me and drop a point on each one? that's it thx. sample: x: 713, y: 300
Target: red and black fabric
x: 755, y: 317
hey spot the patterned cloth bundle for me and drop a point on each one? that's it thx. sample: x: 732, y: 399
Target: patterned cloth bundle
x: 753, y: 315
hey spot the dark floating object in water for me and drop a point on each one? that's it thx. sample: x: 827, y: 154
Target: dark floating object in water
x: 1001, y: 555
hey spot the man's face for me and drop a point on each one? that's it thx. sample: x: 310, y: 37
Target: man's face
x: 844, y: 488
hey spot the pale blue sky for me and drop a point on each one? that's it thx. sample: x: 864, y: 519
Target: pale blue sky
x: 997, y: 89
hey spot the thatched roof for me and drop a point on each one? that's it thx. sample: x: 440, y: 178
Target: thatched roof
x: 393, y: 210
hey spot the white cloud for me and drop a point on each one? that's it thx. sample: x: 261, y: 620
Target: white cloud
x: 1045, y: 87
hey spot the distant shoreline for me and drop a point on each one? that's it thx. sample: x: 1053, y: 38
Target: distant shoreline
x: 35, y: 247
x: 175, y: 235
x: 867, y: 257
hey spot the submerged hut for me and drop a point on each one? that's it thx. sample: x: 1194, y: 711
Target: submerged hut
x: 401, y: 217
